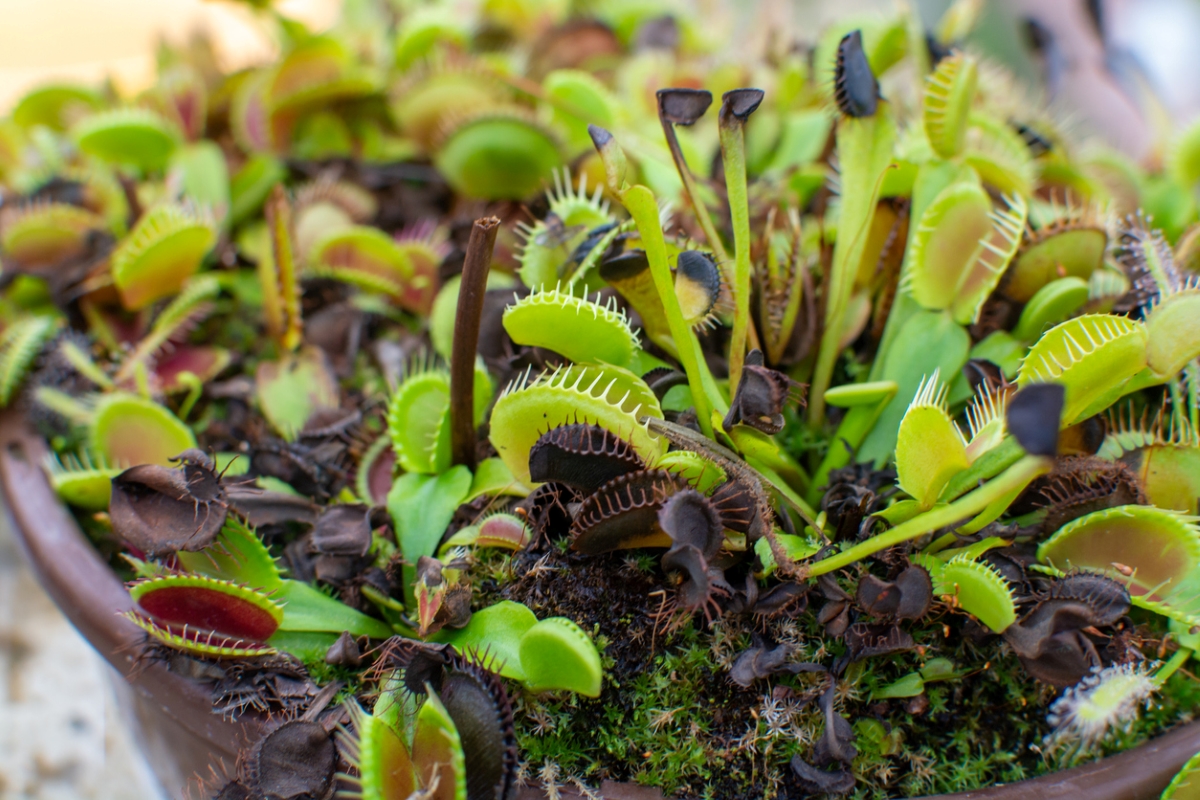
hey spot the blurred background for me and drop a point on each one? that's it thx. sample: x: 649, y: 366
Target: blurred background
x: 1121, y: 70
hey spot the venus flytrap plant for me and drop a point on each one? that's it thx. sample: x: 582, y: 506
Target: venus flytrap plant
x: 686, y: 107
x: 865, y: 401
x: 736, y: 108
x: 615, y: 529
x: 866, y: 136
x: 1165, y: 455
x: 639, y: 201
x: 162, y: 251
x: 20, y: 343
x: 930, y: 449
x: 1033, y: 423
x: 1107, y: 701
x: 1150, y: 550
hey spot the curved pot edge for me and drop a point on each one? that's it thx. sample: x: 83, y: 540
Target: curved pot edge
x: 92, y: 597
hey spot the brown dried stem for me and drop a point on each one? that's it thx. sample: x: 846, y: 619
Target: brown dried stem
x: 466, y: 340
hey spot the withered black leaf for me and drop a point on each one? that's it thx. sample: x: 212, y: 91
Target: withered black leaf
x: 1033, y: 416
x: 269, y: 685
x: 663, y: 379
x: 262, y: 507
x: 296, y: 760
x: 343, y: 530
x: 854, y: 85
x: 1106, y: 599
x: 345, y: 652
x: 761, y: 396
x: 759, y: 662
x: 703, y: 580
x: 690, y: 519
x: 819, y: 781
x: 734, y: 501
x: 741, y: 103
x: 422, y: 662
x: 835, y: 614
x: 907, y: 597
x: 159, y: 510
x: 783, y: 600
x: 1080, y: 485
x: 683, y: 106
x: 864, y: 640
x: 547, y: 511
x: 837, y: 740
x: 1050, y: 638
x: 233, y: 791
x: 582, y: 456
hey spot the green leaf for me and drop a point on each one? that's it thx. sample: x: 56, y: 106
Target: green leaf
x: 929, y: 340
x: 495, y: 632
x: 437, y: 751
x: 291, y: 389
x: 557, y: 655
x: 1186, y: 783
x: 1161, y: 547
x: 930, y: 448
x: 1052, y: 304
x: 422, y: 507
x: 1092, y: 356
x: 581, y: 330
x: 494, y: 479
x: 961, y: 249
x: 203, y: 176
x: 865, y: 152
x: 797, y: 548
x: 236, y: 555
x: 135, y: 136
x: 250, y: 186
x: 1173, y: 326
x: 948, y: 93
x: 909, y: 685
x: 128, y: 431
x: 307, y: 609
x: 975, y: 588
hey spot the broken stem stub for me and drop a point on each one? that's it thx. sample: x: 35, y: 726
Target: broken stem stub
x: 466, y: 340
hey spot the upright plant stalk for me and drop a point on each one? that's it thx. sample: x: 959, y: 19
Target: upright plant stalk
x: 1171, y: 666
x: 736, y: 107
x: 466, y: 340
x: 669, y: 117
x: 278, y: 211
x: 865, y: 153
x: 639, y: 202
x: 1019, y: 474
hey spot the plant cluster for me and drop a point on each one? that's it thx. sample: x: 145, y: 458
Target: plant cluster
x: 850, y: 444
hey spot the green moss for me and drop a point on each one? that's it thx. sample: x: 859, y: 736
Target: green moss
x: 668, y: 715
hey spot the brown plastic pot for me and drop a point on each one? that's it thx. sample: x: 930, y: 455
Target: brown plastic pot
x: 183, y: 737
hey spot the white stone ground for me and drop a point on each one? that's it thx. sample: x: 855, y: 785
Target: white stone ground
x: 62, y: 736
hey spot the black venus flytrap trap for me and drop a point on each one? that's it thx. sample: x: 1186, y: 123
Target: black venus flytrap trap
x: 764, y: 482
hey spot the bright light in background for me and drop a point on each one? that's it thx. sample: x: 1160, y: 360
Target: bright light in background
x: 1164, y: 35
x: 88, y: 40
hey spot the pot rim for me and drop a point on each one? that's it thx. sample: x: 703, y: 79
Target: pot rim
x: 91, y: 595
x: 93, y: 598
